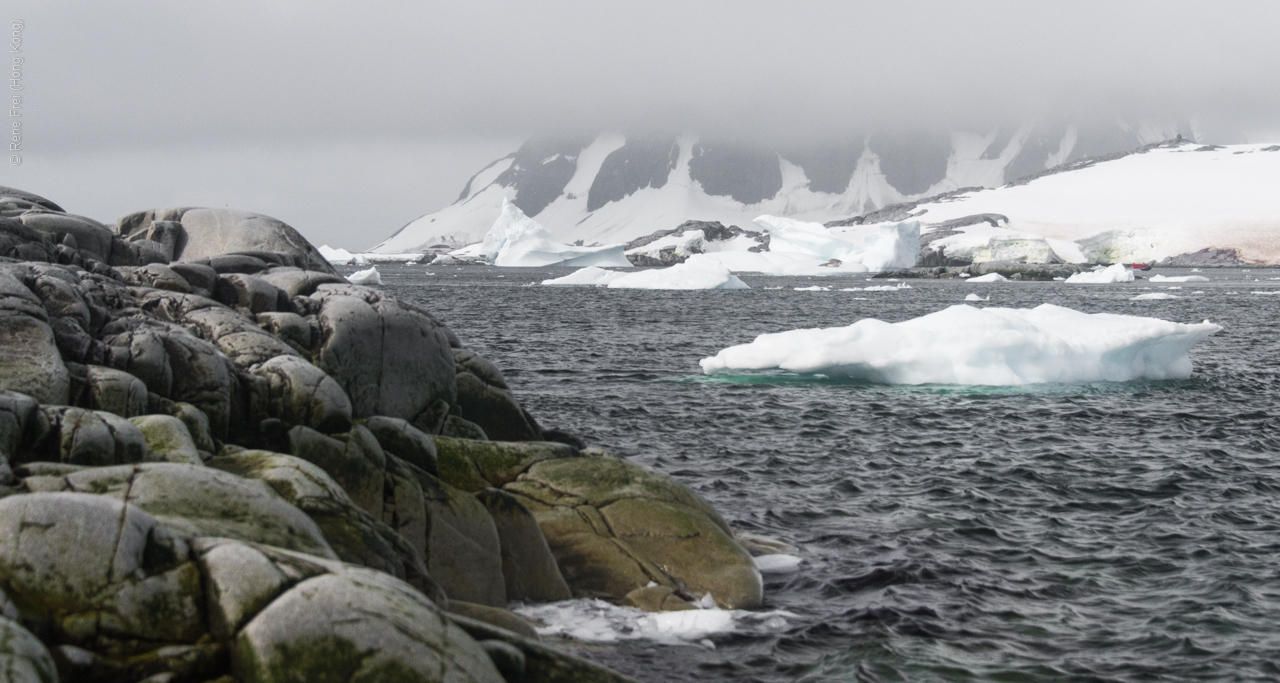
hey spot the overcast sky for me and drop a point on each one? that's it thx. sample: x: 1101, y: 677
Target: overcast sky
x: 348, y: 120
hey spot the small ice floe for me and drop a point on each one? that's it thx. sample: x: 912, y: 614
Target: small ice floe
x: 777, y: 563
x: 1153, y: 296
x: 814, y: 288
x: 1117, y: 272
x: 979, y: 346
x: 772, y: 288
x: 1195, y: 270
x: 591, y: 275
x: 365, y: 277
x: 1197, y: 292
x: 598, y: 621
x: 1270, y: 293
x: 974, y: 297
x: 989, y: 277
x: 887, y: 288
x: 965, y: 275
x: 1179, y: 278
x: 1173, y: 287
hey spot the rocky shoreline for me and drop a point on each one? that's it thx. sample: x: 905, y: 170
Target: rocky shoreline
x: 220, y: 461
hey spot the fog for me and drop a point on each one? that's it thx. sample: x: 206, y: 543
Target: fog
x: 349, y: 119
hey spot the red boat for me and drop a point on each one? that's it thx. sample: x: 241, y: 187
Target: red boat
x: 1140, y: 266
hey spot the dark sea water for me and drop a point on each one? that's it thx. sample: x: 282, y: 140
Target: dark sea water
x: 1097, y: 532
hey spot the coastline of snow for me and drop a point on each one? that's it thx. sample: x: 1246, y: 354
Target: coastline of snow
x: 515, y: 240
x: 989, y: 346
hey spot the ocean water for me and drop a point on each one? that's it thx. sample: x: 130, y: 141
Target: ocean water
x: 1098, y: 532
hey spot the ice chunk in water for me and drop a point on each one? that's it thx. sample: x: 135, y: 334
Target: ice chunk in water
x: 1116, y: 272
x: 698, y: 272
x: 365, y: 277
x: 989, y: 277
x: 975, y: 297
x: 988, y: 346
x: 1153, y: 296
x: 1179, y: 278
x: 590, y: 275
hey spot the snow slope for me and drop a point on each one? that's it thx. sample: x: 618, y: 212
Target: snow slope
x: 988, y: 346
x: 1143, y: 207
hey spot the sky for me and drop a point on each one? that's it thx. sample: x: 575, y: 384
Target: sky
x: 348, y: 120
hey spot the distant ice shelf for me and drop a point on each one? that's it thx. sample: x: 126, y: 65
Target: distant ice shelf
x: 972, y: 346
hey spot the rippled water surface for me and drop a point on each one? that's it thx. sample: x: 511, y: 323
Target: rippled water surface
x: 1124, y: 532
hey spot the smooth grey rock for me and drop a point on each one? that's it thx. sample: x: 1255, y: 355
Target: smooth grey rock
x: 116, y: 391
x: 465, y: 553
x: 23, y: 658
x: 31, y: 363
x: 159, y: 276
x: 302, y: 394
x: 168, y: 439
x: 356, y: 462
x: 90, y: 235
x: 528, y: 567
x: 299, y: 282
x: 16, y: 411
x: 357, y: 625
x: 241, y: 581
x: 391, y: 360
x: 248, y: 291
x: 405, y: 441
x: 207, y: 502
x: 458, y: 428
x: 494, y: 410
x: 200, y: 278
x: 89, y: 567
x: 290, y: 328
x: 96, y: 438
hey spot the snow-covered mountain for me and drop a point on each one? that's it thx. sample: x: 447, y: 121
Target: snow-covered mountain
x: 1190, y: 203
x: 616, y: 188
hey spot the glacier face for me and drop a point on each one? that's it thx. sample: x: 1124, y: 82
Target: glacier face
x: 979, y: 346
x: 515, y: 240
x: 615, y: 188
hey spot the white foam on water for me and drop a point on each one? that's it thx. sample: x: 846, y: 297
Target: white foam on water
x: 598, y: 621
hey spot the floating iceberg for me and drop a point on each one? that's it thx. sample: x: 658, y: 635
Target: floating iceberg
x: 975, y: 297
x: 590, y: 275
x: 1153, y: 296
x: 814, y: 288
x: 335, y: 255
x: 1179, y: 278
x: 516, y: 240
x: 698, y: 272
x: 887, y: 246
x: 1116, y: 272
x: 989, y: 346
x: 989, y: 277
x: 365, y: 277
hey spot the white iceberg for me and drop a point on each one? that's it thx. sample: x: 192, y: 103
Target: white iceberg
x: 814, y: 288
x: 987, y: 346
x: 886, y: 246
x: 974, y: 297
x: 1117, y: 272
x: 515, y: 240
x: 989, y: 277
x: 697, y: 272
x: 590, y: 275
x: 1179, y: 278
x: 365, y: 277
x: 1153, y: 296
x: 332, y: 255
